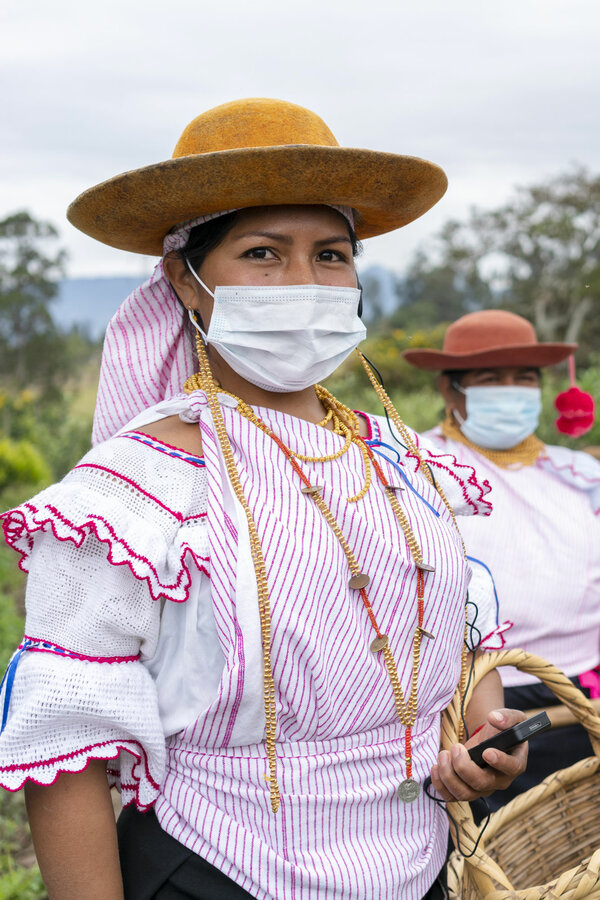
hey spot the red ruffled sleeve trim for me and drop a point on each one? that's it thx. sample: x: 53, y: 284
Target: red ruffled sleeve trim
x: 495, y: 640
x: 473, y: 489
x: 21, y: 524
x: 142, y: 789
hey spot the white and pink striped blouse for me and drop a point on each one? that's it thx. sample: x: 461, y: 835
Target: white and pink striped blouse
x: 542, y: 545
x: 143, y: 648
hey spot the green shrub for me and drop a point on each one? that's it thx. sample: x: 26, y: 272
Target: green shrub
x: 18, y: 881
x: 21, y: 464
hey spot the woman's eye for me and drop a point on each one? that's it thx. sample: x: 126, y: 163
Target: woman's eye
x: 331, y: 256
x: 259, y: 253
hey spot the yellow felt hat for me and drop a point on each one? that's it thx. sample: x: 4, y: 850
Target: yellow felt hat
x: 256, y: 152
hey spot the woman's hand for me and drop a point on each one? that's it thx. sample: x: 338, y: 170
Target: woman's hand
x: 456, y: 777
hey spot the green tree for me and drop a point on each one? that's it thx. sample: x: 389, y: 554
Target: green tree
x: 538, y: 254
x: 40, y: 362
x: 548, y: 243
x: 31, y: 345
x: 443, y: 286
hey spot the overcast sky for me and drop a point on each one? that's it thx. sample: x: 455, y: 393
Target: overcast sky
x: 498, y: 94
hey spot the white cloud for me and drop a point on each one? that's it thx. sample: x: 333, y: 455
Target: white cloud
x: 496, y: 93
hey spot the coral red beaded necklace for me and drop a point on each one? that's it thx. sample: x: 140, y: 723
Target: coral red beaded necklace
x: 409, y: 789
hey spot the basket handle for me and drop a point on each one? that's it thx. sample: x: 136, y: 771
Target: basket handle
x: 548, y: 674
x: 484, y: 871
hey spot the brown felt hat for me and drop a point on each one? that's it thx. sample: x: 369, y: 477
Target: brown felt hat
x: 489, y: 339
x: 256, y: 152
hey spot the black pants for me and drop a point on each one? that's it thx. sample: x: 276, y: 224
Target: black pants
x: 439, y: 888
x: 157, y: 867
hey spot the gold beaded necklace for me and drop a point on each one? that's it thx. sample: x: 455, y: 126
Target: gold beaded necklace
x: 406, y: 711
x: 345, y: 422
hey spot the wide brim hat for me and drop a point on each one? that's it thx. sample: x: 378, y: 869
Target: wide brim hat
x: 256, y: 152
x: 489, y: 338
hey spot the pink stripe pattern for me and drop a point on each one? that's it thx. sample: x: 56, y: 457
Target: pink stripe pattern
x: 147, y: 525
x: 341, y: 831
x: 548, y: 581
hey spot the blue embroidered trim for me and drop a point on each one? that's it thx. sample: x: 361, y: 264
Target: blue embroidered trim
x: 9, y: 678
x: 168, y: 451
x: 29, y: 644
x: 397, y: 465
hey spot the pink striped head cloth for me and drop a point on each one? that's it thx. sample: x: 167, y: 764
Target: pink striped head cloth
x: 148, y: 351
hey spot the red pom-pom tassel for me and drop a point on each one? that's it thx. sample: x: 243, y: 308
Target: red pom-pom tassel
x: 577, y: 408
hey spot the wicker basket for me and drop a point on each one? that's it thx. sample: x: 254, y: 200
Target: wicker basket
x: 544, y: 843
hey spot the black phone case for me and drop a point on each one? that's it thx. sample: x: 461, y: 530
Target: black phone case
x: 508, y: 739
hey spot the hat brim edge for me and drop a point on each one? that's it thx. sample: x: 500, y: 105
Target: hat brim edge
x: 133, y: 211
x: 535, y: 355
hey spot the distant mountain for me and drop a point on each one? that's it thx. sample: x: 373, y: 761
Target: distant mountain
x: 90, y: 302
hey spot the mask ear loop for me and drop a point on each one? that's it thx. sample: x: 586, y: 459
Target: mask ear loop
x: 197, y: 277
x: 454, y: 412
x: 193, y: 316
x: 192, y: 313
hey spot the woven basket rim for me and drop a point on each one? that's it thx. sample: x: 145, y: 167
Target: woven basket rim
x: 539, y: 793
x: 554, y: 889
x: 489, y: 878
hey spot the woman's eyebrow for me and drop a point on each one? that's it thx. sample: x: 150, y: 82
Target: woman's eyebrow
x: 270, y: 235
x: 334, y: 239
x: 287, y: 239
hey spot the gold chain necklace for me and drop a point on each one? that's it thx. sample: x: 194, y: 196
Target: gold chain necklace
x: 203, y: 380
x: 424, y: 468
x: 345, y: 423
x: 406, y: 711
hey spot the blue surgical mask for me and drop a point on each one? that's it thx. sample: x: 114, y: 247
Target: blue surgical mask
x: 500, y: 417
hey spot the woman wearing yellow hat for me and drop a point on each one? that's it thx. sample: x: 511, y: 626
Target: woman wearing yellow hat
x: 247, y: 602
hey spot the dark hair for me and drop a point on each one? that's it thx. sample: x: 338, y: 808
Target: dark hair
x: 455, y: 376
x: 205, y: 237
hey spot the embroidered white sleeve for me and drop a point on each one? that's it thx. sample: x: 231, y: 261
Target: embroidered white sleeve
x: 76, y: 690
x: 121, y: 535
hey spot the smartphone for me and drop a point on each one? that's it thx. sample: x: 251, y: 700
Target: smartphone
x: 506, y: 740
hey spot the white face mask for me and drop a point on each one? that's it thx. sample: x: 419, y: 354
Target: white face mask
x: 283, y: 338
x: 500, y: 417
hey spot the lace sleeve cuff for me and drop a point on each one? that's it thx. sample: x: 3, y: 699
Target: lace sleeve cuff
x: 61, y: 710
